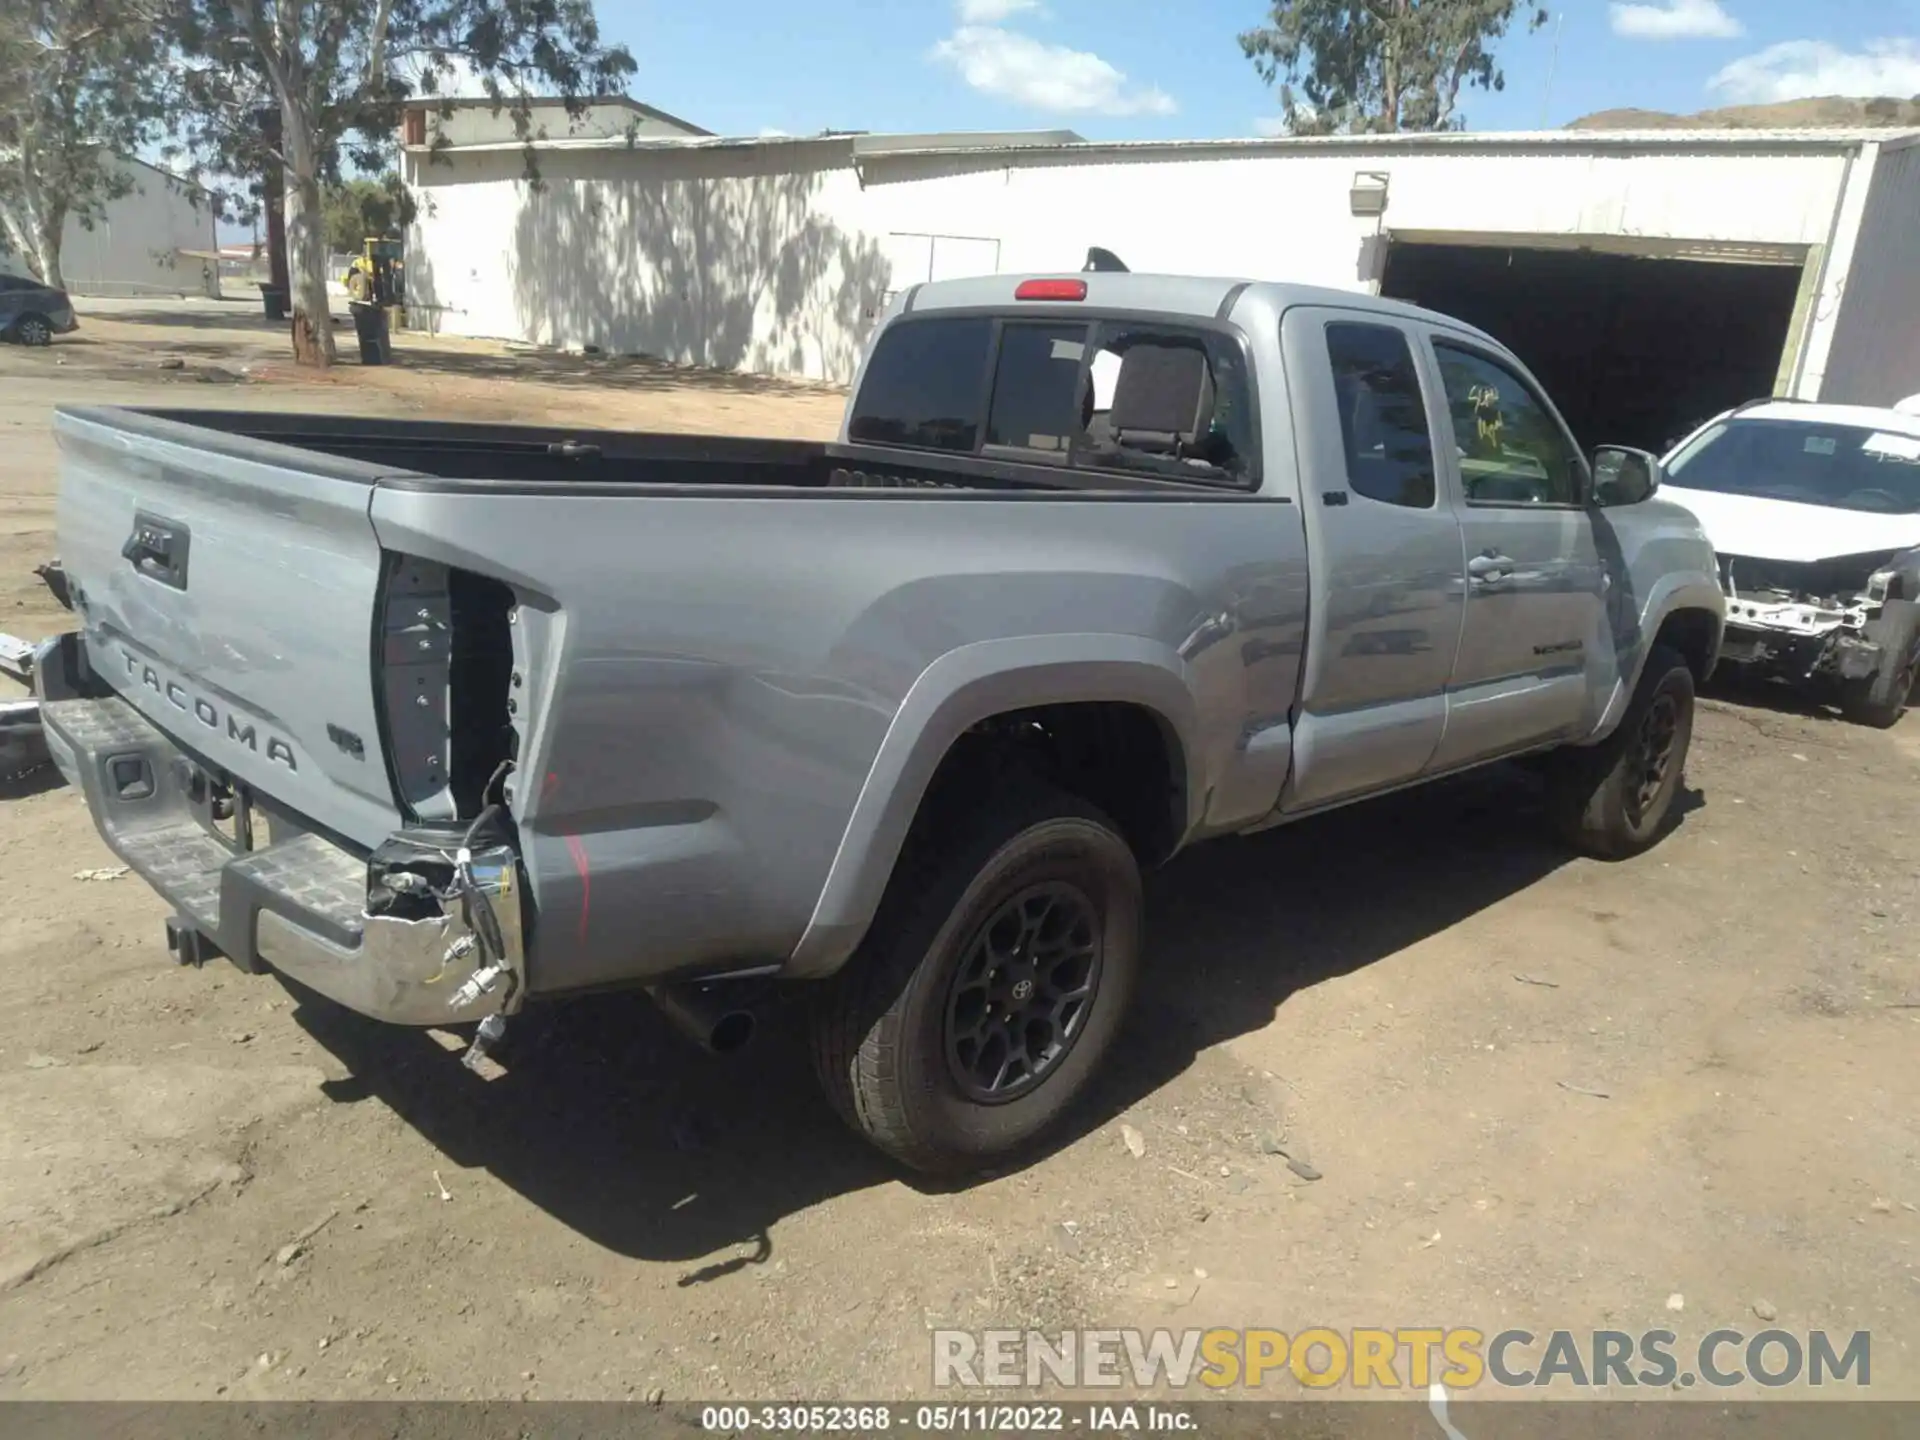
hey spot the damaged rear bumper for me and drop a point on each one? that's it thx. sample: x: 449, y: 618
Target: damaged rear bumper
x: 293, y: 900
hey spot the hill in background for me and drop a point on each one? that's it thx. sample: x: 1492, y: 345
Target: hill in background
x: 1829, y: 111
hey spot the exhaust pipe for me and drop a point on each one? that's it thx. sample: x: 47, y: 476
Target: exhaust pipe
x: 710, y: 1014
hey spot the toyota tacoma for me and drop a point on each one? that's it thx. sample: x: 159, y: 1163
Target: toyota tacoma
x: 437, y: 719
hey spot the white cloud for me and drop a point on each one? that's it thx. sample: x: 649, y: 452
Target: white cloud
x: 1807, y: 69
x: 992, y: 12
x: 1046, y: 77
x: 1676, y: 20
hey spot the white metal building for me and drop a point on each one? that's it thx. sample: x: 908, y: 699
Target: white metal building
x: 1649, y: 278
x: 157, y: 239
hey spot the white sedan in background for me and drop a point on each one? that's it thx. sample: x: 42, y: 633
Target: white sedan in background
x: 1814, y: 514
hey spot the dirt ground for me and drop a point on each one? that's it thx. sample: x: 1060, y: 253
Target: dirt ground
x: 1541, y: 1093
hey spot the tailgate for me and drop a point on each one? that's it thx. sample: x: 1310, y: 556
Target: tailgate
x: 228, y: 588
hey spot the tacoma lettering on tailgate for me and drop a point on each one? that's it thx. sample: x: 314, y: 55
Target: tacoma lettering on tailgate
x: 240, y: 731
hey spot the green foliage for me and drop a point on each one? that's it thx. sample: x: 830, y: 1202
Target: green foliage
x: 349, y: 66
x: 79, y: 82
x: 330, y: 78
x: 1354, y: 66
x: 355, y: 210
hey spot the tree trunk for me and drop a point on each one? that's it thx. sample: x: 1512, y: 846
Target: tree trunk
x: 34, y: 227
x: 306, y: 239
x: 46, y: 257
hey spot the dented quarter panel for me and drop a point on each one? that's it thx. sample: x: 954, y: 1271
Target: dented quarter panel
x: 712, y: 681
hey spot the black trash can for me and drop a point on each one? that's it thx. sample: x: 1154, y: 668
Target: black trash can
x: 370, y: 327
x: 274, y: 302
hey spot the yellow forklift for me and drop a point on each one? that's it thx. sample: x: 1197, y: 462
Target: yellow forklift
x: 376, y: 290
x: 377, y: 275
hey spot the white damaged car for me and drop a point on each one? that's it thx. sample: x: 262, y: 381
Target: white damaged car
x: 1814, y: 514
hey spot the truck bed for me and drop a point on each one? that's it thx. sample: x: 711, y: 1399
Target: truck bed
x: 445, y: 456
x: 422, y: 450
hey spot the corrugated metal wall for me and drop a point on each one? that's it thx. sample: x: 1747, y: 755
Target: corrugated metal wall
x: 775, y: 257
x: 1875, y: 358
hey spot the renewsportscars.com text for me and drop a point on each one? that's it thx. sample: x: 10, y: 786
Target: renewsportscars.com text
x: 1413, y: 1358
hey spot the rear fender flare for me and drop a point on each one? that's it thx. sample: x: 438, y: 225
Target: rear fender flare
x: 956, y: 692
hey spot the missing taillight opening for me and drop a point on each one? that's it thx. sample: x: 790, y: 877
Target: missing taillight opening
x: 447, y: 687
x: 482, y: 713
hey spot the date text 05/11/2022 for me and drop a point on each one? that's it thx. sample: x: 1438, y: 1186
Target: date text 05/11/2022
x: 991, y: 1419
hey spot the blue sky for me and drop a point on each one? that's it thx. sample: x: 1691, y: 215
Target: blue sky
x: 1158, y: 69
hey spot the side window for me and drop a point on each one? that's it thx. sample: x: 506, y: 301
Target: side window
x: 1383, y: 421
x: 1036, y: 387
x: 1169, y: 402
x: 1512, y: 451
x: 923, y: 385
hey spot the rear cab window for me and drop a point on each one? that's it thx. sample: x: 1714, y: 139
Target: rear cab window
x: 1101, y: 395
x: 922, y: 386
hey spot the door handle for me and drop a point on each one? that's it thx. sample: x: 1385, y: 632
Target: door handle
x: 158, y: 548
x: 1490, y: 567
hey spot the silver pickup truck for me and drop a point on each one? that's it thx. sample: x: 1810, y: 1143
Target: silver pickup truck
x: 438, y: 719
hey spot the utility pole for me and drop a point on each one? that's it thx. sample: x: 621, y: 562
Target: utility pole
x: 1553, y: 68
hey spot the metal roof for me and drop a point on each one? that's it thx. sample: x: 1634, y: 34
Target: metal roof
x: 1472, y: 141
x: 861, y: 144
x: 437, y: 103
x: 1044, y: 145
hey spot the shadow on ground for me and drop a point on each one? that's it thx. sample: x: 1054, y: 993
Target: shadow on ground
x: 1749, y: 692
x: 615, y: 373
x: 620, y: 1128
x: 235, y: 316
x: 423, y: 354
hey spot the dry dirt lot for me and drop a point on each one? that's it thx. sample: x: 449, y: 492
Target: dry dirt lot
x: 1541, y: 1092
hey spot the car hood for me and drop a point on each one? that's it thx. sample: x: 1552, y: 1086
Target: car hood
x: 1788, y: 530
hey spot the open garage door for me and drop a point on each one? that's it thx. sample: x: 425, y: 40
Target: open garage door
x: 1636, y: 350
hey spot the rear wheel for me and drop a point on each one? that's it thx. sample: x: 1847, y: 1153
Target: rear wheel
x: 1613, y: 800
x: 1881, y: 699
x: 34, y: 330
x: 990, y: 985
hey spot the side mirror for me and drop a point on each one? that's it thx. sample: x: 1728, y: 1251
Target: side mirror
x: 1624, y: 476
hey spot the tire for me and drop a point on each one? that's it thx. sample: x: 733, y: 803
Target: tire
x: 895, y: 1041
x: 33, y: 330
x: 1881, y: 699
x: 1614, y: 800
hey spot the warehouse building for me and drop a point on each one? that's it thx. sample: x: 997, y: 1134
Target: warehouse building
x: 1650, y: 279
x: 155, y: 239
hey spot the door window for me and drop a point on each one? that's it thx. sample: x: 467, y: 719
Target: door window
x: 1512, y: 450
x: 1383, y: 420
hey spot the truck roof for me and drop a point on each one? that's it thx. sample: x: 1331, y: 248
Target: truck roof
x: 1197, y: 296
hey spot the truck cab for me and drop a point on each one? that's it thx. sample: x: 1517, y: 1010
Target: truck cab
x: 1474, y: 589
